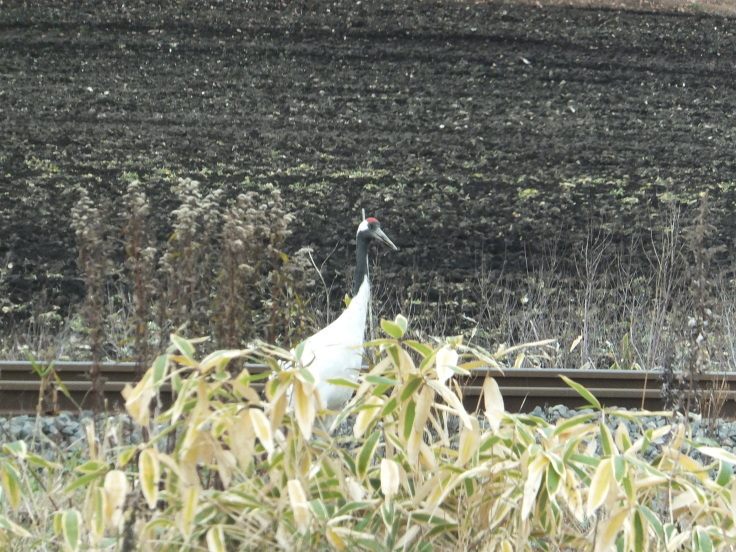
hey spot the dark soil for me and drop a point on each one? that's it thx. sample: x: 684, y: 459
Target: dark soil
x: 483, y: 136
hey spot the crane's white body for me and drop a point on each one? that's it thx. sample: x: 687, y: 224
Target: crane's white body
x: 336, y: 352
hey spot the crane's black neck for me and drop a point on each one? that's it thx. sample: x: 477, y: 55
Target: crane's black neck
x: 361, y: 258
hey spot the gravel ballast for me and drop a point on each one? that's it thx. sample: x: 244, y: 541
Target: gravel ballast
x: 66, y: 431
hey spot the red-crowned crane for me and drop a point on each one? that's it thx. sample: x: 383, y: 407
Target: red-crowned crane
x: 336, y: 351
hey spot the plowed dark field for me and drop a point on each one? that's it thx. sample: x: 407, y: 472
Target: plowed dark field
x: 481, y: 135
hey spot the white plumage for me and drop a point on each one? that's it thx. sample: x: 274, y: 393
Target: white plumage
x: 336, y: 352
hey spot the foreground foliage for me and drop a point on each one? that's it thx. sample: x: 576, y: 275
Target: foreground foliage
x: 224, y: 468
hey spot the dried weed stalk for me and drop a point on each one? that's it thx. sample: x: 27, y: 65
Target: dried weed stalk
x: 140, y: 264
x: 186, y: 267
x: 685, y: 390
x: 258, y: 286
x: 92, y: 228
x: 223, y: 272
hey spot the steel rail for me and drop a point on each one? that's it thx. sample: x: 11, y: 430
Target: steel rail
x: 522, y: 389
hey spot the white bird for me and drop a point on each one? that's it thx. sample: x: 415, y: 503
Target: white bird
x: 336, y: 352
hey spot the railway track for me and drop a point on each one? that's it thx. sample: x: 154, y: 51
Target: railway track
x: 522, y: 389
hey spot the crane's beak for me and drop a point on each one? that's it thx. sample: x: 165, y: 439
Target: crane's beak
x: 385, y: 239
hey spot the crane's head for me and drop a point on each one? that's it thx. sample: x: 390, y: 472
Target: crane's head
x: 370, y: 229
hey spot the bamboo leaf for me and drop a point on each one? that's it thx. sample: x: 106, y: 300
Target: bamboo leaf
x: 676, y: 539
x: 82, y: 481
x: 216, y: 539
x: 304, y: 409
x: 184, y: 346
x: 138, y: 399
x: 622, y: 437
x: 93, y: 466
x: 493, y: 402
x: 57, y: 522
x: 42, y: 462
x: 493, y: 399
x: 583, y: 392
x: 684, y: 500
x: 609, y: 530
x: 19, y: 449
x: 641, y: 536
x: 619, y: 468
x: 441, y: 528
x: 576, y: 342
x: 71, y: 520
x: 390, y: 478
x: 149, y: 474
x: 445, y: 359
x: 392, y: 329
x: 366, y: 454
x: 702, y: 540
x: 184, y: 361
x: 725, y: 473
x: 391, y: 405
x: 299, y: 349
x: 407, y: 538
x: 556, y: 462
x: 65, y: 390
x: 299, y: 505
x: 410, y: 387
x: 306, y: 376
x: 469, y: 441
x: 319, y: 510
x: 159, y: 369
x: 11, y: 483
x: 262, y: 428
x: 531, y: 486
x: 568, y: 424
x: 452, y: 401
x: 188, y: 510
x: 423, y: 406
x: 503, y: 351
x: 14, y: 528
x: 342, y: 382
x: 367, y: 414
x: 114, y: 492
x: 629, y: 488
x: 600, y: 484
x: 401, y: 322
x: 335, y: 539
x: 421, y: 348
x: 381, y: 380
x: 408, y: 419
x: 607, y: 443
x: 719, y: 454
x: 553, y: 480
x: 351, y: 507
x: 221, y: 357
